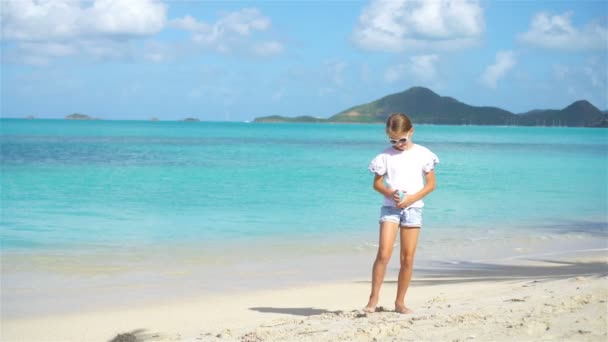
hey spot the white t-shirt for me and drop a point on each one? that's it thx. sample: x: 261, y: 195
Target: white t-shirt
x: 404, y: 170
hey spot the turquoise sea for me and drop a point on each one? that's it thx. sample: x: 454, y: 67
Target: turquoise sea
x: 114, y: 201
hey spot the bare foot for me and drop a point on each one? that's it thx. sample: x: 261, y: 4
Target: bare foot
x: 402, y: 309
x: 371, y: 305
x: 369, y: 309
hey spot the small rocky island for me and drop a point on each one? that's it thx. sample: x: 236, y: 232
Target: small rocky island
x: 77, y: 116
x: 191, y: 119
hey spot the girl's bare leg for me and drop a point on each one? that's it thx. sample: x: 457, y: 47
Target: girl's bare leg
x: 388, y: 233
x: 409, y: 241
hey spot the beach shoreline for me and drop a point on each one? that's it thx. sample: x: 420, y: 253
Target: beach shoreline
x: 43, y: 283
x: 561, y: 298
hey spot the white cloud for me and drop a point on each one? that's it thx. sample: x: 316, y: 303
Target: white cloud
x: 245, y: 21
x: 334, y: 70
x: 394, y: 25
x: 50, y: 49
x: 365, y: 73
x: 557, y: 32
x: 505, y: 61
x: 35, y: 61
x: 232, y: 32
x: 157, y: 52
x: 40, y: 31
x: 422, y: 69
x: 597, y: 80
x: 270, y: 48
x: 105, y: 49
x: 189, y: 23
x: 33, y: 20
x: 278, y: 95
x: 588, y: 80
x: 560, y: 72
x: 327, y: 91
x: 395, y: 73
x: 132, y: 17
x: 195, y: 93
x: 43, y: 53
x: 155, y: 57
x: 592, y: 74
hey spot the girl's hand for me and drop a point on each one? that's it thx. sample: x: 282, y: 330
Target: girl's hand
x: 407, y: 201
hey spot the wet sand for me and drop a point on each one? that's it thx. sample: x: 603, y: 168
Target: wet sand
x: 555, y: 299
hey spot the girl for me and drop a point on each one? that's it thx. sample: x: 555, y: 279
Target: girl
x: 404, y: 174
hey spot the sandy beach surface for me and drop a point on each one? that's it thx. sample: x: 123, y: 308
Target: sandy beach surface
x: 558, y: 300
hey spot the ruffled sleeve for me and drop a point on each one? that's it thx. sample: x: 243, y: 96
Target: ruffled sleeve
x: 378, y: 165
x: 430, y: 161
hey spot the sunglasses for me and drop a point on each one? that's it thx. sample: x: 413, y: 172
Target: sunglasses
x: 398, y: 141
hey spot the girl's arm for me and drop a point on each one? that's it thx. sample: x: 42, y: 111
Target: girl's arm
x: 429, y: 186
x: 381, y: 188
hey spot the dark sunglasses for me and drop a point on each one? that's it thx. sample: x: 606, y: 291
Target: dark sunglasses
x: 400, y: 141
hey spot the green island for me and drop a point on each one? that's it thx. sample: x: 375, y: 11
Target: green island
x: 78, y: 116
x: 424, y: 106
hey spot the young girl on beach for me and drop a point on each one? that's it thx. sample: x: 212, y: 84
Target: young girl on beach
x: 404, y: 174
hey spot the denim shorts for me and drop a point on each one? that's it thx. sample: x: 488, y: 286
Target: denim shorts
x: 408, y: 217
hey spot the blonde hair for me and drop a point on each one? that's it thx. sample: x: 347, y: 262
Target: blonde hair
x: 398, y: 123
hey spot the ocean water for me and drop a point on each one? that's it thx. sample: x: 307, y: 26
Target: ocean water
x: 80, y: 197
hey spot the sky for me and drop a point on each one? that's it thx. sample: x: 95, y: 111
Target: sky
x: 237, y: 60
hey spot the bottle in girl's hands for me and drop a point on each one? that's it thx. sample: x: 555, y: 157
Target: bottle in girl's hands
x: 401, y: 193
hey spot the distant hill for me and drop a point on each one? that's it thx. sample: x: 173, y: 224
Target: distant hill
x: 192, y: 119
x: 578, y: 114
x: 422, y: 105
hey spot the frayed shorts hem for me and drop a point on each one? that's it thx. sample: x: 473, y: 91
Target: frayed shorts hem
x: 405, y: 218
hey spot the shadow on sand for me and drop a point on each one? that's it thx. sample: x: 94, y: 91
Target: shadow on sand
x: 293, y: 311
x: 468, y: 272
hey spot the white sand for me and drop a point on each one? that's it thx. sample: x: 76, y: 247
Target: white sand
x: 564, y: 309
